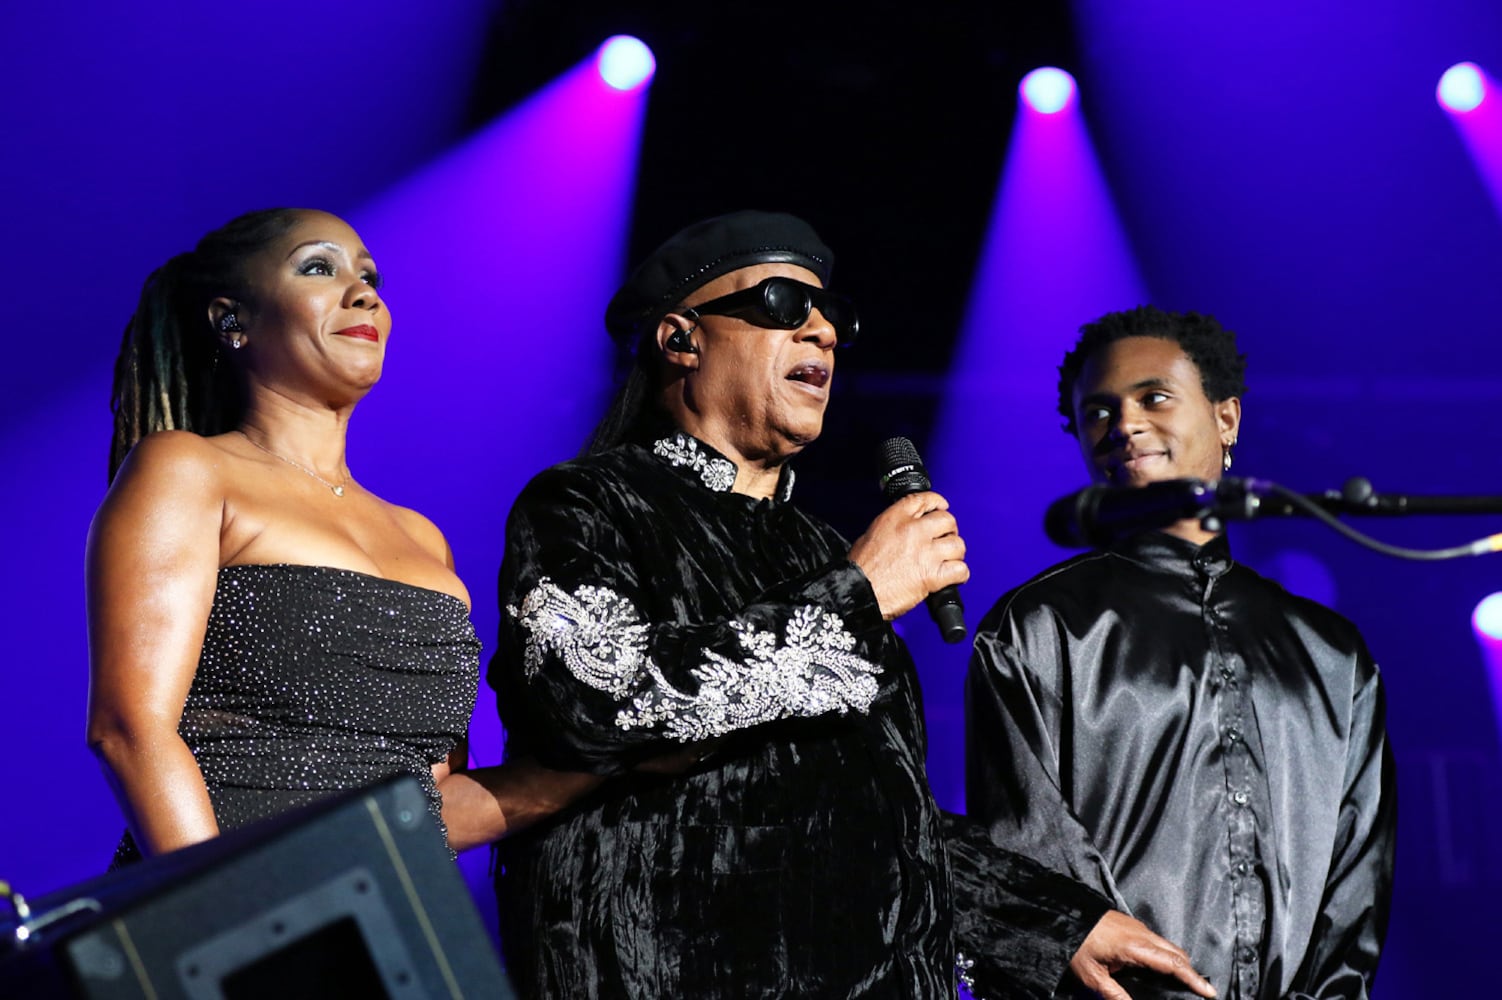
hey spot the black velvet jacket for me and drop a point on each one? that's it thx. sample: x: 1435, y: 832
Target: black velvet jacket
x: 1202, y: 746
x: 646, y: 607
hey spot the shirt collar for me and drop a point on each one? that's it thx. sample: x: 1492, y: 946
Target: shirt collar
x: 1181, y: 557
x: 714, y: 471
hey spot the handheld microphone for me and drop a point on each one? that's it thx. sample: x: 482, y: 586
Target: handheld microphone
x: 902, y: 473
x: 1097, y: 515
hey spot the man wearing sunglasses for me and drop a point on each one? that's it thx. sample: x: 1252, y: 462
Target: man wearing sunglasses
x: 783, y: 303
x: 674, y: 623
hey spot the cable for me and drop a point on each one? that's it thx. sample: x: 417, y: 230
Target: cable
x: 1482, y: 546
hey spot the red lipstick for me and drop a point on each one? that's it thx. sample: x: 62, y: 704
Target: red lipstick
x: 362, y: 332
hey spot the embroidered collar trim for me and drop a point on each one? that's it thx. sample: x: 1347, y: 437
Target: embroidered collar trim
x: 715, y: 471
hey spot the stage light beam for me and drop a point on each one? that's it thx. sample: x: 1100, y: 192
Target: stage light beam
x: 1462, y: 95
x: 533, y: 209
x: 626, y: 62
x: 1487, y: 618
x: 1047, y: 90
x: 1055, y: 255
x: 1486, y: 621
x: 1462, y: 88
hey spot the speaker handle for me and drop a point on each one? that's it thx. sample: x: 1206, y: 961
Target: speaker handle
x: 28, y: 924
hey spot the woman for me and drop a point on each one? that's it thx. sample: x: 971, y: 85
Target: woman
x: 263, y: 631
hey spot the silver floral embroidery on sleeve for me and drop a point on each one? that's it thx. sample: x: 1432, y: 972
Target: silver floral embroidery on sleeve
x: 962, y: 967
x: 812, y: 673
x: 597, y: 633
x: 602, y: 641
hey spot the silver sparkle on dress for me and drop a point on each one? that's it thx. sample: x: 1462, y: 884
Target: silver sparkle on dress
x: 315, y: 680
x: 602, y: 640
x: 718, y: 474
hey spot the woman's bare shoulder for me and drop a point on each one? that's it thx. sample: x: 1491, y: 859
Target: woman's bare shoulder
x: 167, y: 497
x: 175, y: 451
x: 175, y: 462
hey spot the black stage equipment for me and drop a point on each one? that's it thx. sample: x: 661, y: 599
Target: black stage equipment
x: 354, y: 897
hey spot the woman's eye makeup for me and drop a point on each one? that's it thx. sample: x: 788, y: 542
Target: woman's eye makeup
x: 317, y: 265
x: 326, y: 268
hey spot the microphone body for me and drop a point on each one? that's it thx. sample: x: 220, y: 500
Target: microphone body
x: 1098, y: 515
x: 902, y: 473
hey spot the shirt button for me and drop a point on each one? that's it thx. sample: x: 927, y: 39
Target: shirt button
x: 1248, y: 956
x: 1239, y: 798
x: 1232, y: 735
x: 1242, y: 868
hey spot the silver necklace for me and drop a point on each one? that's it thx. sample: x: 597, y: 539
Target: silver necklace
x: 337, y: 488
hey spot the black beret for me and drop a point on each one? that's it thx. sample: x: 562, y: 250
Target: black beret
x: 697, y: 255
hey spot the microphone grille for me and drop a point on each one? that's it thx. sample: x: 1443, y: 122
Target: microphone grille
x: 902, y: 470
x: 897, y: 451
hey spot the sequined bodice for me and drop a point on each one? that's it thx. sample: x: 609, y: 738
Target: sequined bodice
x: 315, y: 679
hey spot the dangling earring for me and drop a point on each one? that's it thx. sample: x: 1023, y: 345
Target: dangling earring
x: 1225, y: 458
x: 229, y: 323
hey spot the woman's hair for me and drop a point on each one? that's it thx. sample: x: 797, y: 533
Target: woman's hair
x: 169, y: 374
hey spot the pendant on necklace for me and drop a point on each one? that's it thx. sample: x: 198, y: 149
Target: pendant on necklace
x: 338, y: 490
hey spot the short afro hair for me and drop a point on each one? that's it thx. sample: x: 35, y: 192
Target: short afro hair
x: 1203, y: 340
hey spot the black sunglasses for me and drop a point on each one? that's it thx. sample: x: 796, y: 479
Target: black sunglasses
x: 784, y: 304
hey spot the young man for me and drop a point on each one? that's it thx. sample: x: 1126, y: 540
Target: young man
x: 1171, y: 728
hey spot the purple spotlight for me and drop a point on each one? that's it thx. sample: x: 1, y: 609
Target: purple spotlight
x: 1047, y: 90
x: 1487, y: 621
x: 625, y: 62
x: 1487, y: 618
x: 1461, y: 88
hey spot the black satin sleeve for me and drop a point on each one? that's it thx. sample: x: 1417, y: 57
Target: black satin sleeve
x: 1016, y: 921
x: 608, y: 655
x: 1347, y: 942
x: 1012, y: 775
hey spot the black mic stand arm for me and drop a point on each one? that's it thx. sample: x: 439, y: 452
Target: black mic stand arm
x: 1245, y: 499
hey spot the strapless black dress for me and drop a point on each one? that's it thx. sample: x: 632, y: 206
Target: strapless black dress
x: 314, y: 681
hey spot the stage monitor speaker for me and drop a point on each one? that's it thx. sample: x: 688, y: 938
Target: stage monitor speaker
x: 355, y: 897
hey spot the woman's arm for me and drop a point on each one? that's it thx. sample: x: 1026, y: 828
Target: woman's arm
x: 152, y: 565
x: 487, y: 803
x: 483, y: 804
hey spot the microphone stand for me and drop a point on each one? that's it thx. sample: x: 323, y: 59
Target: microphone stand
x: 1243, y: 499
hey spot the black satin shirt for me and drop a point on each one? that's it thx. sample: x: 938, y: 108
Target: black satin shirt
x: 1202, y: 746
x: 646, y: 608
